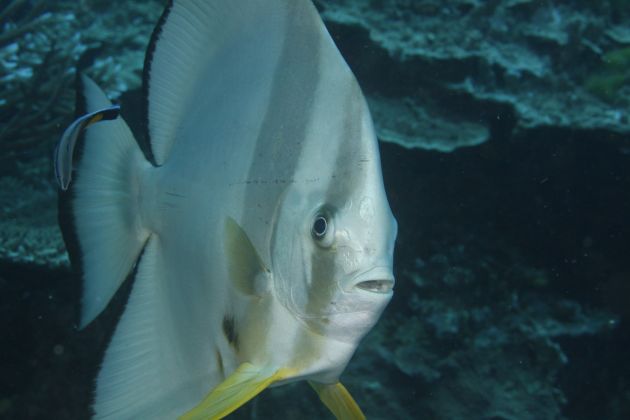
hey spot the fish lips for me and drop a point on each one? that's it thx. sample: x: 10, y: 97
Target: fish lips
x: 377, y: 280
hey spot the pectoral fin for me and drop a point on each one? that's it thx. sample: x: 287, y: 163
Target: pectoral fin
x: 244, y: 262
x: 241, y: 386
x: 339, y: 401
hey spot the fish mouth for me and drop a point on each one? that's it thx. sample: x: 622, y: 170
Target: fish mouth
x: 376, y: 286
x: 376, y: 280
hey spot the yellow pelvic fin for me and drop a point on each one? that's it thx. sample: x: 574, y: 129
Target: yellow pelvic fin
x: 244, y: 263
x: 241, y: 386
x: 339, y: 401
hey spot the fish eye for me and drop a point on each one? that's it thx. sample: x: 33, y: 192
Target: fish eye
x: 320, y: 227
x: 323, y: 227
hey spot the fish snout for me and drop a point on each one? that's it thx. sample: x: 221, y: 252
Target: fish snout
x: 376, y: 280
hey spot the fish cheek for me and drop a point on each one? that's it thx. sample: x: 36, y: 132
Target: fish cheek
x: 322, y: 287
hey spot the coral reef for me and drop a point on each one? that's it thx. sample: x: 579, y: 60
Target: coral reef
x: 474, y: 339
x: 611, y: 82
x: 446, y: 72
x: 28, y: 217
x: 400, y: 121
x: 40, y: 44
x: 541, y: 63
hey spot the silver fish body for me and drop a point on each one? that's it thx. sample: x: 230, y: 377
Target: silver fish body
x: 259, y: 225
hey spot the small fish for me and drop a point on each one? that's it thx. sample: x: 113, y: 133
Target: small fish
x: 255, y: 225
x: 64, y: 151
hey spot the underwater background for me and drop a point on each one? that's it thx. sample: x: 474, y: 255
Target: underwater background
x: 505, y: 144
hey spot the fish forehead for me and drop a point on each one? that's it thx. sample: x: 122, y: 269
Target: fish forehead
x: 315, y: 132
x: 286, y: 114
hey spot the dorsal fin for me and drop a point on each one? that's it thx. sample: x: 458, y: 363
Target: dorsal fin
x: 145, y: 373
x: 191, y: 52
x: 181, y: 49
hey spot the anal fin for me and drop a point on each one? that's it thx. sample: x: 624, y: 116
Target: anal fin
x: 143, y: 376
x: 241, y: 386
x: 338, y: 400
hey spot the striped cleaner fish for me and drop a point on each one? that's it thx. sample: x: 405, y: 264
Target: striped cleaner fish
x: 255, y: 223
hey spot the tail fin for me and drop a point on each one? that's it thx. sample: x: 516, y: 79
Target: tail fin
x: 104, y: 206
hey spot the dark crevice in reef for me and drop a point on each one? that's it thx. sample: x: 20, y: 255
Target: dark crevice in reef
x: 563, y: 196
x: 47, y: 364
x: 596, y: 379
x: 559, y: 198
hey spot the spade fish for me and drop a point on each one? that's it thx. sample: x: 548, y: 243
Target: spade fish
x: 254, y: 224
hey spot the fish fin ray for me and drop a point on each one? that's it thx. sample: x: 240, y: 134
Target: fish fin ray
x: 245, y: 383
x: 185, y: 34
x: 338, y: 400
x: 126, y: 369
x: 188, y: 61
x: 142, y: 375
x: 104, y: 207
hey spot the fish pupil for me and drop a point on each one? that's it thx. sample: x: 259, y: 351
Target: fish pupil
x: 320, y: 225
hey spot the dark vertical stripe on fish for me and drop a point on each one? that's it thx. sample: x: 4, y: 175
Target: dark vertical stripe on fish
x: 279, y: 142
